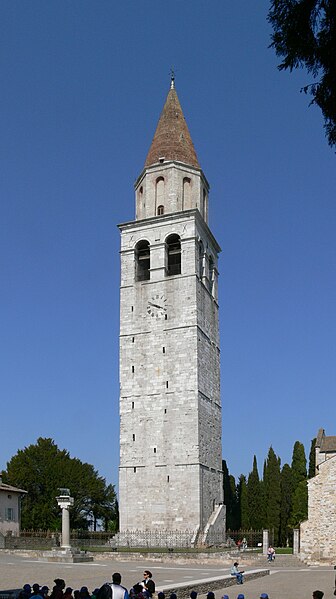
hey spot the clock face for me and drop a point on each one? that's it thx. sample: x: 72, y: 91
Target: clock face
x: 157, y: 306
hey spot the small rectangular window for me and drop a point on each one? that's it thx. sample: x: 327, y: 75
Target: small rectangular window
x: 9, y: 514
x: 163, y: 350
x: 166, y: 316
x: 134, y: 469
x: 133, y: 339
x: 168, y: 478
x: 132, y: 368
x: 166, y: 384
x: 132, y: 308
x: 154, y: 449
x: 165, y: 411
x: 133, y: 437
x: 132, y: 405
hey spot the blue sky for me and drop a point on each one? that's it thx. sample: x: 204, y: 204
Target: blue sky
x: 83, y: 85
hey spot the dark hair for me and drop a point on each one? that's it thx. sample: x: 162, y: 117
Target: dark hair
x: 148, y: 572
x: 318, y: 594
x: 116, y: 578
x: 236, y: 564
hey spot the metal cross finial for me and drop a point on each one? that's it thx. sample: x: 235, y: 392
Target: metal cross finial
x: 172, y: 78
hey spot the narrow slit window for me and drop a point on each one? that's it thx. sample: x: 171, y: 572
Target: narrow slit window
x: 133, y: 437
x: 132, y: 405
x: 133, y: 369
x: 166, y: 384
x: 154, y: 449
x: 163, y: 350
x: 160, y: 210
x: 134, y: 469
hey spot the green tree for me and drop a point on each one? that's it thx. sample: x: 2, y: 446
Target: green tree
x: 43, y: 468
x: 254, y: 497
x: 304, y: 35
x: 286, y: 503
x: 300, y: 490
x: 230, y: 498
x: 272, y: 493
x: 243, y: 503
x: 312, y: 459
x: 300, y: 504
x: 299, y: 464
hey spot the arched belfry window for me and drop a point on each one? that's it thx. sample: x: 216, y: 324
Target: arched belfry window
x: 142, y: 261
x: 160, y: 210
x: 159, y: 193
x: 173, y: 245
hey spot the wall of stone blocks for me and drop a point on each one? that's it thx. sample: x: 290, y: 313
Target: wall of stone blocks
x: 170, y: 422
x: 317, y: 534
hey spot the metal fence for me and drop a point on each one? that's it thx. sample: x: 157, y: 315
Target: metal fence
x: 132, y: 539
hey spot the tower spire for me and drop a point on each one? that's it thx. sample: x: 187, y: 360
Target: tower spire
x: 172, y: 140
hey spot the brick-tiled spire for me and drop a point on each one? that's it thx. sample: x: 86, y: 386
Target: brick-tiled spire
x: 172, y: 139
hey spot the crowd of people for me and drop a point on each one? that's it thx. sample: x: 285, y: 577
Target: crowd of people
x: 115, y: 590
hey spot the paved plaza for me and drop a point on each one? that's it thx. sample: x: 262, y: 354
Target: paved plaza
x: 286, y: 581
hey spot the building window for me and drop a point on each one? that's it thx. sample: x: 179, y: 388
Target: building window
x: 160, y: 210
x: 211, y: 274
x: 134, y: 469
x: 133, y: 437
x: 154, y: 449
x: 132, y: 405
x: 186, y: 193
x: 142, y: 261
x: 133, y: 369
x: 200, y: 260
x: 159, y: 194
x: 9, y: 514
x: 173, y: 246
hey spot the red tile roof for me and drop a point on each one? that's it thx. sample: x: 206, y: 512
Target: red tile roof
x: 172, y: 139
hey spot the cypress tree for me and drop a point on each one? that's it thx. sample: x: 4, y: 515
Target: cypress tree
x: 243, y: 503
x: 312, y: 459
x: 254, y: 497
x: 230, y: 498
x: 300, y: 490
x: 286, y: 503
x: 235, y: 504
x: 272, y: 490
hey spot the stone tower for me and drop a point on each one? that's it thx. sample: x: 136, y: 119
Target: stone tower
x: 170, y: 411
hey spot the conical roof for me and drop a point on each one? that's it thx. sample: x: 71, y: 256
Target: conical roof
x: 172, y: 139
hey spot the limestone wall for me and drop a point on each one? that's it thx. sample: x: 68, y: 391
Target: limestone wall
x: 318, y: 533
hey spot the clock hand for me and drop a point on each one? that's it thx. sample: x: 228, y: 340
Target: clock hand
x: 156, y: 306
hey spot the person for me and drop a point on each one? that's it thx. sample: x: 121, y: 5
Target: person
x: 172, y: 596
x: 210, y: 595
x: 225, y: 596
x: 68, y: 593
x: 270, y: 554
x: 318, y: 594
x: 118, y: 591
x: 240, y: 596
x: 193, y: 595
x: 239, y: 544
x: 44, y: 591
x: 136, y: 592
x: 83, y: 593
x: 148, y: 583
x: 57, y: 592
x: 263, y: 596
x: 237, y: 573
x: 161, y: 595
x: 244, y: 544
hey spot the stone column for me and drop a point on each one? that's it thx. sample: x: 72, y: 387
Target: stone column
x: 65, y: 528
x: 265, y: 541
x: 296, y: 541
x: 65, y: 501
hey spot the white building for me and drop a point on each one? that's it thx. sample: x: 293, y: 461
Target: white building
x: 10, y: 508
x: 170, y: 409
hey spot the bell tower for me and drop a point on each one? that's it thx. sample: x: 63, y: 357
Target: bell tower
x: 170, y: 476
